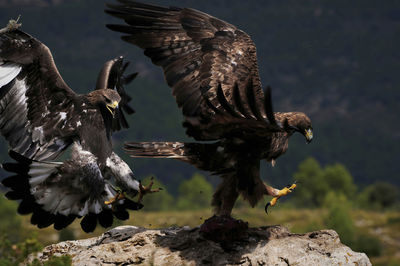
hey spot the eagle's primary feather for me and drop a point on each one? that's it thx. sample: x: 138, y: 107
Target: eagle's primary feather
x: 212, y: 69
x: 40, y: 117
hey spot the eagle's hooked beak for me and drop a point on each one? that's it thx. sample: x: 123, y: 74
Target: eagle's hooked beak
x: 111, y: 107
x: 309, y: 135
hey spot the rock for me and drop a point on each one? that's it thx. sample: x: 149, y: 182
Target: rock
x: 272, y: 245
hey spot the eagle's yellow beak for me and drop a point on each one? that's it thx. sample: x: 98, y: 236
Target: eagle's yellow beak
x: 112, y: 106
x: 309, y: 135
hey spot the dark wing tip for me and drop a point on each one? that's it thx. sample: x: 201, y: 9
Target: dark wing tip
x: 129, y: 78
x: 119, y: 28
x: 89, y: 223
x: 121, y: 213
x: 132, y: 205
x: 19, y: 158
x: 252, y: 101
x: 106, y: 218
x: 268, y: 106
x: 62, y: 221
x: 112, y: 76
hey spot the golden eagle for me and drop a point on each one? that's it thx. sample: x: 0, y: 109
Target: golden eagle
x: 40, y: 117
x: 212, y: 69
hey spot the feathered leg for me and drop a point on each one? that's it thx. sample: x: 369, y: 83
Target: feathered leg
x: 276, y: 193
x: 222, y: 228
x: 225, y: 196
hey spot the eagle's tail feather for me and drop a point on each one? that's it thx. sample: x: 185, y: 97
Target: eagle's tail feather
x: 50, y: 203
x: 174, y: 150
x: 21, y: 190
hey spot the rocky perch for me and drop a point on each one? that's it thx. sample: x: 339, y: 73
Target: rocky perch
x: 272, y: 245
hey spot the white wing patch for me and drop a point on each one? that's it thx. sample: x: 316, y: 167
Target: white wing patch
x: 67, y: 192
x: 63, y: 115
x: 23, y: 139
x: 40, y: 171
x: 122, y: 172
x: 38, y: 134
x: 8, y: 71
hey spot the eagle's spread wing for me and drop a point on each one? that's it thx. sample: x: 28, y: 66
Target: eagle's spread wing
x: 35, y: 102
x: 232, y: 120
x: 112, y: 77
x: 198, y: 53
x: 40, y: 116
x: 57, y: 193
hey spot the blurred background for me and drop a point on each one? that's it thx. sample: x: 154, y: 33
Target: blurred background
x: 337, y: 61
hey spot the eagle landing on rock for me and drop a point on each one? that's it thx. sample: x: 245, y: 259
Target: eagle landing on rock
x: 40, y: 117
x: 212, y: 69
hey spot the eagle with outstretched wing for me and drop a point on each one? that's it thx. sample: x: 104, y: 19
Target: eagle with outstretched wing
x: 212, y: 69
x: 40, y: 117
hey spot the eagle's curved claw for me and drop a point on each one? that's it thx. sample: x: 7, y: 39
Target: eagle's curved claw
x: 143, y: 190
x: 266, y: 207
x: 283, y: 192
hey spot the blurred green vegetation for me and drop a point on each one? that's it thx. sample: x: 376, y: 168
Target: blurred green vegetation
x: 12, y: 224
x: 316, y: 182
x: 160, y: 201
x: 378, y: 196
x: 12, y: 254
x: 194, y: 194
x: 54, y: 261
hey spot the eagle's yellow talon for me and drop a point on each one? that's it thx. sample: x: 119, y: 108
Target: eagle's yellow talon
x: 286, y: 190
x: 143, y: 190
x: 281, y: 193
x: 113, y: 200
x: 273, y: 201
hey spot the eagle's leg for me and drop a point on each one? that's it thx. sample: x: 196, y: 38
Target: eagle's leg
x: 222, y: 227
x: 143, y: 190
x: 276, y: 193
x: 225, y: 197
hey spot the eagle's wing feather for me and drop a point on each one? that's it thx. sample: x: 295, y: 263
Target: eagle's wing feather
x: 197, y: 52
x: 232, y: 120
x: 35, y: 102
x: 57, y: 193
x: 112, y: 76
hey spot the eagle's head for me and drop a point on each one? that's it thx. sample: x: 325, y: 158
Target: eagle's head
x: 298, y: 122
x: 105, y: 99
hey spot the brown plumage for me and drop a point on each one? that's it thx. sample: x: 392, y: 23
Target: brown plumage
x: 40, y: 117
x: 212, y: 69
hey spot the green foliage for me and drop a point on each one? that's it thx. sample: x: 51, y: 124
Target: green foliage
x: 380, y: 195
x: 13, y: 254
x: 54, y: 261
x: 338, y: 217
x: 339, y: 179
x: 10, y: 221
x: 312, y: 188
x: 159, y: 201
x: 66, y: 234
x: 316, y: 182
x: 367, y: 243
x: 195, y: 193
